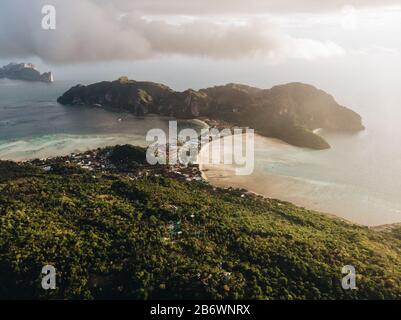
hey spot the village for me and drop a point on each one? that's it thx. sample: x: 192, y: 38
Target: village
x: 100, y: 161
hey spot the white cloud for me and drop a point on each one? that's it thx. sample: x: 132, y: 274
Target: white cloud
x: 95, y: 31
x: 349, y: 19
x: 375, y: 50
x: 198, y: 7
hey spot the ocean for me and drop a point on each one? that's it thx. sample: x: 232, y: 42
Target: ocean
x: 34, y: 125
x: 358, y: 179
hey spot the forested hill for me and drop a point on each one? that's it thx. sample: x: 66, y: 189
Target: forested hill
x: 289, y: 112
x: 137, y: 235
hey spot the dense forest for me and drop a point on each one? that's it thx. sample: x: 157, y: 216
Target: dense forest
x: 113, y: 235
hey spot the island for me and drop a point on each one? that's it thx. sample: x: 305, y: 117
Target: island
x: 116, y: 228
x: 25, y: 72
x: 289, y: 112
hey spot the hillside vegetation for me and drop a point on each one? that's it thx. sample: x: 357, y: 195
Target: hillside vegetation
x: 288, y: 112
x: 110, y: 235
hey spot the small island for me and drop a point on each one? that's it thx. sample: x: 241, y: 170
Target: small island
x: 289, y: 112
x: 25, y: 72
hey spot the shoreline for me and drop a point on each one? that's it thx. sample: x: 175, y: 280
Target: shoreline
x: 229, y: 183
x: 226, y: 182
x: 85, y: 159
x: 203, y: 170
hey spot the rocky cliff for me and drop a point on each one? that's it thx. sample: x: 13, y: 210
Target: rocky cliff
x: 289, y: 112
x: 25, y: 72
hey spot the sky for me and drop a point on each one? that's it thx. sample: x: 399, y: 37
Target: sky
x: 348, y: 48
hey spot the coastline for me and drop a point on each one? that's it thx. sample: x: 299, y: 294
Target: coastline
x: 221, y: 176
x: 204, y: 173
x: 102, y: 196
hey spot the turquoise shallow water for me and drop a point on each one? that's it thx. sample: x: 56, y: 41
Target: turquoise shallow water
x: 358, y: 179
x: 45, y: 146
x: 34, y: 125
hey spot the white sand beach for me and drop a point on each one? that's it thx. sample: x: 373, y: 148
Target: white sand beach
x: 309, y: 179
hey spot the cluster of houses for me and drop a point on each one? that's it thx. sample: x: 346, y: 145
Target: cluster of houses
x: 99, y: 160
